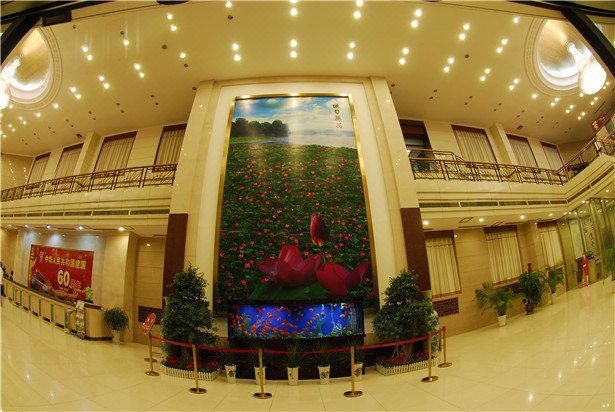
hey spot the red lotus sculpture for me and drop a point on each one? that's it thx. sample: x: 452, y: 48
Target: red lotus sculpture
x: 338, y: 281
x: 289, y: 269
x: 319, y: 231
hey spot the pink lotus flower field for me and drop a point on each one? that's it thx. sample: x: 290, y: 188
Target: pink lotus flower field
x: 293, y: 225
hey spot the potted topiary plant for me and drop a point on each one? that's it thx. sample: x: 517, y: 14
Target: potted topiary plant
x: 531, y: 285
x: 117, y: 320
x: 186, y: 317
x: 555, y: 276
x: 498, y: 299
x: 405, y: 314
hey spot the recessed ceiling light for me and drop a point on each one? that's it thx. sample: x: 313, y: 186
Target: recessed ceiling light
x: 169, y: 16
x: 101, y: 78
x: 418, y: 12
x: 402, y: 60
x: 126, y: 42
x: 582, y: 113
x: 534, y: 96
x: 414, y: 23
x: 462, y: 36
x: 581, y: 95
x: 55, y: 105
x: 293, y: 11
x: 350, y: 55
x: 482, y: 78
x: 85, y: 49
x: 405, y: 51
x: 550, y: 214
x: 571, y: 106
x: 235, y: 46
x: 567, y: 111
x: 72, y: 89
x: 293, y: 1
x: 228, y: 4
x: 522, y: 216
x: 352, y: 45
x: 293, y: 43
x: 89, y: 57
x: 121, y: 228
x: 236, y: 57
x: 511, y: 87
x: 556, y: 99
x: 552, y: 104
x: 78, y: 96
x: 466, y: 26
x: 141, y: 74
x: 356, y: 14
x: 592, y: 102
x: 446, y: 69
x: 38, y: 115
x: 579, y: 118
x: 182, y: 55
x: 425, y: 222
x: 487, y: 70
x: 293, y: 54
x: 596, y: 98
x: 499, y: 50
x: 516, y: 81
x: 106, y: 85
x: 359, y: 3
x: 481, y: 219
x: 516, y: 19
x: 451, y: 60
x: 137, y: 66
x: 504, y: 42
x: 173, y: 27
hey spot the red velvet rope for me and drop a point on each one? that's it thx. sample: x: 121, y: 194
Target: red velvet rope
x: 283, y: 352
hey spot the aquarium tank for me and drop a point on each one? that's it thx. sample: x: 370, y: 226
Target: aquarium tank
x: 295, y: 320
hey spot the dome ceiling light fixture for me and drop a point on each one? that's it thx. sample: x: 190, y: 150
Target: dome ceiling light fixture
x: 591, y: 74
x: 6, y: 77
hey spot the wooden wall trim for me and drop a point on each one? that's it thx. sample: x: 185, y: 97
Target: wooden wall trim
x: 174, y: 249
x: 416, y: 252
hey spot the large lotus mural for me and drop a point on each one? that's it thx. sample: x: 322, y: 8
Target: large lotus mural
x: 293, y: 221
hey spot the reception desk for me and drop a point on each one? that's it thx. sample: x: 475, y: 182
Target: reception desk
x: 61, y: 313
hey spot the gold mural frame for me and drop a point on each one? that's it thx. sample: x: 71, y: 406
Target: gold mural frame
x: 360, y: 156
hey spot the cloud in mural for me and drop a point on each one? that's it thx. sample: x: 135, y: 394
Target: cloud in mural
x: 304, y: 116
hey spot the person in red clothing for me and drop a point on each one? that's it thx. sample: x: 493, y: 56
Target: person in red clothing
x: 585, y: 266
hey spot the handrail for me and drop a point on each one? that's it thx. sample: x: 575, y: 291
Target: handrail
x: 586, y: 155
x: 140, y: 176
x: 444, y: 169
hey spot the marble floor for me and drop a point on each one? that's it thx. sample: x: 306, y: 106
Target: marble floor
x: 560, y: 358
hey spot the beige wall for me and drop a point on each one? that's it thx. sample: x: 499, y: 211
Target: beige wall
x: 442, y: 137
x: 8, y: 240
x: 15, y: 170
x: 148, y: 281
x: 144, y: 148
x: 568, y: 150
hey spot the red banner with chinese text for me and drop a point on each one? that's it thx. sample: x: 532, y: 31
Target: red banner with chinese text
x: 63, y: 273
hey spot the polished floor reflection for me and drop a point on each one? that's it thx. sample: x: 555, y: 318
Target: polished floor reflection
x: 560, y: 358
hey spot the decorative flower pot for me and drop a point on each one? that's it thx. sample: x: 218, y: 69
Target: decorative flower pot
x: 502, y: 320
x: 293, y: 375
x: 553, y: 298
x: 231, y: 373
x: 323, y: 374
x: 116, y: 336
x: 358, y: 371
x: 257, y: 374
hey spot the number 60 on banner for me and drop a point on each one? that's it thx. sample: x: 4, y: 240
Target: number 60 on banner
x: 63, y: 278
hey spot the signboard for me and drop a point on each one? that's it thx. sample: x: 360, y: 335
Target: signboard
x: 63, y: 273
x: 149, y: 322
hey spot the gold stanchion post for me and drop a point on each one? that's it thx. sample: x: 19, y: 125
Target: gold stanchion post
x: 352, y: 393
x: 444, y: 364
x: 196, y: 389
x: 151, y: 371
x: 262, y: 394
x: 430, y: 378
x: 151, y: 358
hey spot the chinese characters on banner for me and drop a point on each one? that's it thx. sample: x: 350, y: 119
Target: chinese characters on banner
x: 62, y: 273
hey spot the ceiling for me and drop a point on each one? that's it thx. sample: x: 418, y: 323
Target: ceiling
x: 206, y: 31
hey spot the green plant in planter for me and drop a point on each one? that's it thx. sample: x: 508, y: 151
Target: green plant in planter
x: 610, y: 260
x: 531, y: 285
x: 295, y: 357
x: 498, y: 299
x: 405, y: 313
x: 555, y: 276
x: 228, y: 358
x: 186, y: 316
x: 323, y: 358
x: 116, y: 318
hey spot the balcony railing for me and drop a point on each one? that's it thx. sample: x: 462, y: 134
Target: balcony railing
x: 587, y: 154
x: 156, y: 175
x: 445, y: 169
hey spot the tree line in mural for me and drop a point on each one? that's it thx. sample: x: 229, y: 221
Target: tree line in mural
x: 244, y: 128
